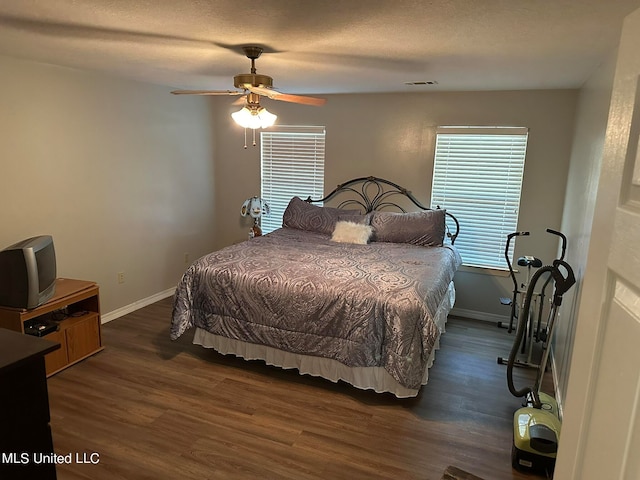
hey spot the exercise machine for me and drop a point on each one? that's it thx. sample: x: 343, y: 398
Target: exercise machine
x: 518, y: 289
x: 537, y: 425
x: 516, y: 302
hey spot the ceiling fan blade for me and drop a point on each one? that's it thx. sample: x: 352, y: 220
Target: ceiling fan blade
x: 286, y: 97
x: 208, y: 92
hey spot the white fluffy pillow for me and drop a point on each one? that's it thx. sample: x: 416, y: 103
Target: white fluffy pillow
x: 350, y: 232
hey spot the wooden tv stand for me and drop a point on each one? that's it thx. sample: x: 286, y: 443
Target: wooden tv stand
x: 75, y: 308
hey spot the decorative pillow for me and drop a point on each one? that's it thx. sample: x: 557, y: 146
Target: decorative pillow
x: 425, y: 228
x: 305, y: 216
x: 355, y: 217
x: 351, y: 232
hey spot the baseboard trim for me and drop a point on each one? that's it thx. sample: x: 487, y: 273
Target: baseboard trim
x: 554, y: 376
x: 132, y: 307
x: 476, y: 315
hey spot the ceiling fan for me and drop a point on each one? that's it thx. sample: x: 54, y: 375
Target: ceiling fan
x: 254, y: 85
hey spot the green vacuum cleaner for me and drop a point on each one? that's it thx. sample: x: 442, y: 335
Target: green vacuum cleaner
x: 537, y: 425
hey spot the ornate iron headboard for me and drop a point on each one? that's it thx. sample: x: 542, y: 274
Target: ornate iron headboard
x: 373, y: 193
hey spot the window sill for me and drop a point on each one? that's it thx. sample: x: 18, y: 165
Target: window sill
x: 496, y: 272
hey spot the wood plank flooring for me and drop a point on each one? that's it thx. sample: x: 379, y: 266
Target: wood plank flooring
x: 150, y: 408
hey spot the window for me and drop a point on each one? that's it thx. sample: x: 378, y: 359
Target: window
x: 477, y: 176
x: 292, y: 164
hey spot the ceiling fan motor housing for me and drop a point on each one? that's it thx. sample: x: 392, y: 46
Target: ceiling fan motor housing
x: 246, y: 80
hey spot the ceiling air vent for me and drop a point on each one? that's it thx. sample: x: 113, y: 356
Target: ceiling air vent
x: 428, y: 82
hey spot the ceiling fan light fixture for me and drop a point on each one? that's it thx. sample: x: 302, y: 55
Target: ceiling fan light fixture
x: 254, y: 117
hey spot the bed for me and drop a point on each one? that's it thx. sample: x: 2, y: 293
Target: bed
x: 357, y: 292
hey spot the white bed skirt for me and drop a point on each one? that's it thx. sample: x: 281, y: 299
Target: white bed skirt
x: 365, y: 378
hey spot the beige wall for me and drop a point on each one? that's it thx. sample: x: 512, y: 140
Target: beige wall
x: 120, y: 173
x: 392, y: 136
x: 582, y: 185
x: 127, y: 166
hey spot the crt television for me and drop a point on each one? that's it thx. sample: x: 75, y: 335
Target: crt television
x: 28, y: 273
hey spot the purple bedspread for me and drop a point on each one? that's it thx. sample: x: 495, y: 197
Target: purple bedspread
x: 362, y: 305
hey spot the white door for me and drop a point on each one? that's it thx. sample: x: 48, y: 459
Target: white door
x: 601, y: 426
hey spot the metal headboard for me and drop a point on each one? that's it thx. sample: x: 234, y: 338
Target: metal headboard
x: 373, y: 193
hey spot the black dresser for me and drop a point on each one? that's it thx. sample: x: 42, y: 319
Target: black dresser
x: 26, y: 447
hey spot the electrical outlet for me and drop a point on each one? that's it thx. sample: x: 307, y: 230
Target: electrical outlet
x: 186, y: 258
x: 120, y: 277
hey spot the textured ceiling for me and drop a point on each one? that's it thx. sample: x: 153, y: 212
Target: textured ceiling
x: 323, y: 46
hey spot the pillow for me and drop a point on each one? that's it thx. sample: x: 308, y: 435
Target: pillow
x: 305, y: 216
x: 354, y: 217
x: 351, y: 232
x: 425, y: 228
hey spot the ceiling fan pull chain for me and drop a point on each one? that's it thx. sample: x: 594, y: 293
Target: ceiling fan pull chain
x: 254, y: 137
x: 245, y: 138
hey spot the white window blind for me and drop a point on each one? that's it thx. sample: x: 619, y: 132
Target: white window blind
x: 292, y: 164
x: 478, y: 177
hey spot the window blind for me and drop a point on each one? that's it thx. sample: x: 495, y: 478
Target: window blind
x: 477, y: 176
x: 292, y: 164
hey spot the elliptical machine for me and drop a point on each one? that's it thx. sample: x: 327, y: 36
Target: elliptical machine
x: 536, y: 426
x: 526, y: 261
x: 534, y: 331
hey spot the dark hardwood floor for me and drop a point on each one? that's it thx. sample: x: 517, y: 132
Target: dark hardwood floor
x: 150, y: 408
